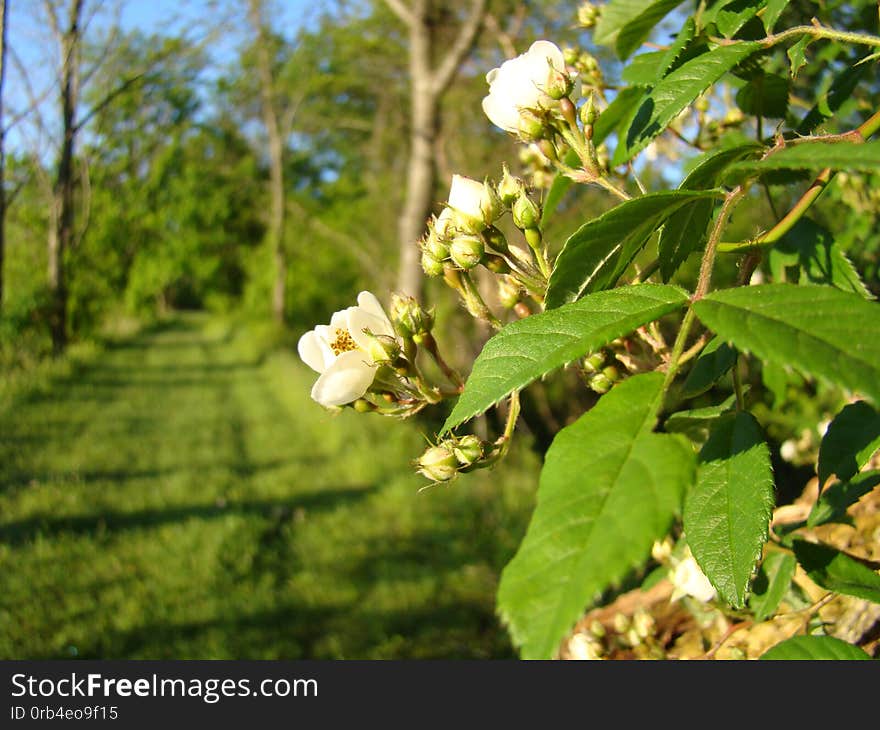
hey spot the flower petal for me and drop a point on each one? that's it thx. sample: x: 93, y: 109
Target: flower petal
x: 313, y: 351
x: 367, y: 300
x: 346, y: 380
x: 360, y: 320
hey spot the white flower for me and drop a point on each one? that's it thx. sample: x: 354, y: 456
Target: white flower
x: 689, y: 580
x: 471, y: 205
x: 341, y: 351
x: 521, y: 83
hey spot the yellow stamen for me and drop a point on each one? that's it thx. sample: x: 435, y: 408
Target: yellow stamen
x: 342, y: 343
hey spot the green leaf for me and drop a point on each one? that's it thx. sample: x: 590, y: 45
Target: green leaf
x: 820, y: 330
x: 595, y: 255
x: 815, y: 648
x: 629, y: 22
x: 816, y: 156
x: 525, y: 350
x: 647, y: 69
x: 685, y: 230
x: 727, y: 513
x: 715, y: 360
x: 765, y: 95
x: 836, y: 499
x: 850, y: 442
x: 770, y: 586
x: 609, y: 488
x: 695, y: 423
x: 730, y: 15
x: 809, y: 252
x: 837, y: 571
x: 667, y: 100
x: 840, y: 91
x: 772, y: 12
x: 617, y: 112
x: 797, y: 55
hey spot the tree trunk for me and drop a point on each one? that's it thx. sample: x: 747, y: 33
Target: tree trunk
x: 62, y: 230
x: 3, y: 23
x: 276, y: 162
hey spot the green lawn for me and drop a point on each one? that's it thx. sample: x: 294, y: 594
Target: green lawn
x: 176, y: 495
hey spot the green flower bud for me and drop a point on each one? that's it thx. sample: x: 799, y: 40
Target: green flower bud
x: 531, y: 127
x: 466, y: 251
x: 438, y: 464
x: 508, y: 292
x: 525, y: 213
x: 491, y: 204
x: 430, y: 265
x: 510, y: 187
x: 587, y: 15
x: 593, y: 362
x: 559, y: 84
x: 382, y: 348
x: 600, y: 383
x: 468, y: 450
x: 533, y: 238
x: 363, y: 406
x: 435, y: 245
x: 701, y: 104
x: 611, y: 373
x: 588, y: 113
x: 570, y: 55
x: 408, y: 317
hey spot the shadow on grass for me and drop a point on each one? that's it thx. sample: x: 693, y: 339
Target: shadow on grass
x: 113, y: 520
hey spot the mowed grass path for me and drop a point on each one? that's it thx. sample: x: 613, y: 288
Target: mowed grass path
x: 178, y: 496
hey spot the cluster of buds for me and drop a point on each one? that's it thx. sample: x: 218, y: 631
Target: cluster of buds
x: 464, y: 236
x: 587, y: 68
x: 453, y: 456
x: 587, y: 15
x: 599, y: 376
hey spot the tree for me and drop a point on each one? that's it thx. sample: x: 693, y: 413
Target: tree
x: 2, y: 145
x: 429, y: 81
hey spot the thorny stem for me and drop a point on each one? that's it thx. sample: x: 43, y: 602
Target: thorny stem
x: 430, y: 344
x: 817, y: 31
x: 703, y: 282
x: 869, y: 127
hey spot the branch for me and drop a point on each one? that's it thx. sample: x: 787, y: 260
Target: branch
x: 101, y: 105
x: 401, y: 11
x: 467, y: 36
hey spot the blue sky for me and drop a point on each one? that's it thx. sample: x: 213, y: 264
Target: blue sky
x: 30, y: 40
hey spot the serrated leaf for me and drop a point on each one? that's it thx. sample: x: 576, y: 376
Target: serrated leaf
x: 809, y: 252
x: 836, y: 499
x: 715, y: 360
x: 814, y: 648
x: 837, y: 571
x: 595, y: 255
x: 850, y: 442
x: 695, y: 423
x: 816, y: 156
x: 642, y: 69
x: 670, y: 97
x: 727, y: 512
x: 525, y: 350
x: 629, y: 22
x: 731, y: 15
x: 772, y: 12
x: 819, y: 330
x: 765, y: 95
x: 609, y: 488
x: 797, y: 55
x: 676, y: 48
x: 617, y: 112
x: 685, y: 230
x: 826, y: 106
x: 770, y: 585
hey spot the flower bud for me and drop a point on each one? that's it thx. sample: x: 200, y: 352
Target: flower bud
x: 570, y: 55
x: 600, y: 383
x: 491, y: 204
x: 466, y: 251
x: 588, y: 112
x: 559, y: 83
x: 510, y: 187
x: 438, y: 463
x: 409, y: 318
x: 435, y: 245
x: 611, y: 373
x: 381, y: 348
x: 361, y: 405
x: 587, y: 15
x: 525, y: 213
x: 508, y: 292
x: 531, y: 126
x: 430, y: 265
x: 593, y: 362
x: 468, y: 450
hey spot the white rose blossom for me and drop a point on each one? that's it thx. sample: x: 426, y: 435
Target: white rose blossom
x: 341, y: 351
x: 688, y: 580
x: 521, y: 83
x: 468, y: 198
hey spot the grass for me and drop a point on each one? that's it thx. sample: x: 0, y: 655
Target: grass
x: 177, y: 495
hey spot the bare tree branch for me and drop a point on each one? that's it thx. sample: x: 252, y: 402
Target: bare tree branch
x: 467, y: 35
x: 401, y: 11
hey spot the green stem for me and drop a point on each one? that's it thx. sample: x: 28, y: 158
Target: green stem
x: 869, y: 127
x: 817, y: 31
